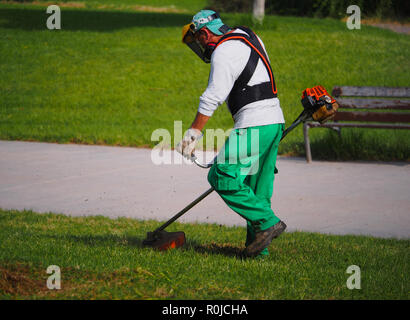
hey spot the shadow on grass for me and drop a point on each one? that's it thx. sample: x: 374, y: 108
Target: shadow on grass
x: 213, y: 248
x: 87, y: 20
x: 98, y: 240
x: 135, y: 241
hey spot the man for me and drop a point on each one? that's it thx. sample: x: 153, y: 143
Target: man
x: 240, y: 75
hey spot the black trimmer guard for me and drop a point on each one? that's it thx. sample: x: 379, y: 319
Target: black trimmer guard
x: 163, y: 240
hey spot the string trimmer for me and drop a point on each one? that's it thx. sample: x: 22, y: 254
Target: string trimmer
x: 163, y: 240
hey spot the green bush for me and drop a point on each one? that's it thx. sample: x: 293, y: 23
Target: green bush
x: 320, y: 8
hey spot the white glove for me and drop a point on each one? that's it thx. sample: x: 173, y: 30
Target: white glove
x: 187, y: 145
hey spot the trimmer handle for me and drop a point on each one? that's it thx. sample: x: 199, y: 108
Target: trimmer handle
x: 194, y: 159
x: 301, y: 118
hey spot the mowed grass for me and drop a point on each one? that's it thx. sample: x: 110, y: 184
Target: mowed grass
x: 101, y: 258
x: 114, y: 75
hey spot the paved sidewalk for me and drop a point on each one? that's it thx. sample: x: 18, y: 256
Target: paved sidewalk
x: 328, y: 197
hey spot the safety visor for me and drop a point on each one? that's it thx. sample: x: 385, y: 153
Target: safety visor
x: 188, y: 37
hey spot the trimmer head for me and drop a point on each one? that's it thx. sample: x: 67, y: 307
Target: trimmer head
x: 163, y: 240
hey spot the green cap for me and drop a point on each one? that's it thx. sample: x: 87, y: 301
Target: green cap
x: 209, y: 19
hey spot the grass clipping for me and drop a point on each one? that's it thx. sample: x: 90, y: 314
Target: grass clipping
x: 17, y: 280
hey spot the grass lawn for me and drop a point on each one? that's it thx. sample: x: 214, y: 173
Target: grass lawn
x: 102, y: 258
x: 114, y: 74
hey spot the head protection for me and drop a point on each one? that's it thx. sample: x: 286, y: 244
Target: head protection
x: 204, y: 18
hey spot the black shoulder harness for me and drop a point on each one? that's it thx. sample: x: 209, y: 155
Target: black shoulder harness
x: 242, y: 94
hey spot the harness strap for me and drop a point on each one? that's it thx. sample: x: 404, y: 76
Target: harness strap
x: 248, y: 71
x: 242, y: 94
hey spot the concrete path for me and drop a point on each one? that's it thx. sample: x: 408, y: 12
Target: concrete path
x: 327, y: 197
x: 395, y: 26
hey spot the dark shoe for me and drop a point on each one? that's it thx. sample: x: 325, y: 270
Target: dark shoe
x: 264, y: 238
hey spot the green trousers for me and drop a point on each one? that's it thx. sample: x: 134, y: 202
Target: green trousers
x: 243, y: 175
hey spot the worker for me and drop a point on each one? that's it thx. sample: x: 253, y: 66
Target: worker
x: 241, y: 76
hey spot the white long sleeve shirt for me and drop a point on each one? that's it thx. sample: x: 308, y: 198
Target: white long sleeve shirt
x: 227, y: 62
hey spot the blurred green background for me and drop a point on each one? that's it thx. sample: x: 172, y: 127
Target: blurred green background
x: 117, y: 70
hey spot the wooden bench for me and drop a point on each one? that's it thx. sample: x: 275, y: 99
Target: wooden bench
x: 365, y: 112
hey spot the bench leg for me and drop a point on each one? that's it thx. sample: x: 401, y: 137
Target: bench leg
x: 307, y: 142
x: 338, y: 130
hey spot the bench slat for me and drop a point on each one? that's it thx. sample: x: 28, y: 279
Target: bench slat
x: 358, y: 125
x: 374, y: 104
x: 361, y: 119
x: 372, y: 116
x: 400, y: 92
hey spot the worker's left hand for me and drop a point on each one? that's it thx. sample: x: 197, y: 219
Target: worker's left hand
x: 187, y: 145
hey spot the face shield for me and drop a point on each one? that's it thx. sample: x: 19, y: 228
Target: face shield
x: 188, y: 37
